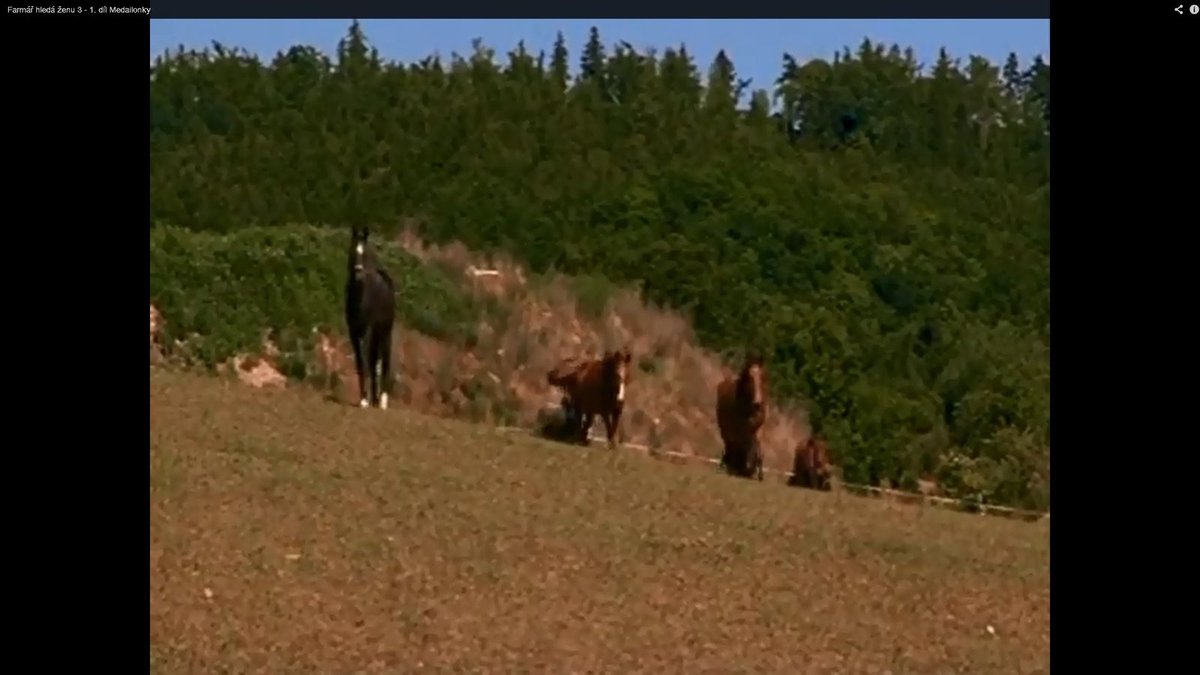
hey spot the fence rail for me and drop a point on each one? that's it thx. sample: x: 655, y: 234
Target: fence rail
x: 899, y: 496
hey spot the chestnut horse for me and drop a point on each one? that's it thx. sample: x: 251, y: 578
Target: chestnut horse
x: 810, y: 465
x: 741, y: 413
x: 594, y: 387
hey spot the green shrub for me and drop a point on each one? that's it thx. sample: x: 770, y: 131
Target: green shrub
x: 592, y: 294
x: 221, y: 294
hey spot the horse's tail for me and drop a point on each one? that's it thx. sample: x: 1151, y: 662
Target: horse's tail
x: 564, y: 375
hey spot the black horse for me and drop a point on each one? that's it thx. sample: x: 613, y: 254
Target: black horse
x: 370, y: 314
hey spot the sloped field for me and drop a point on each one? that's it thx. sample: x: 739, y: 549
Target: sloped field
x: 291, y: 534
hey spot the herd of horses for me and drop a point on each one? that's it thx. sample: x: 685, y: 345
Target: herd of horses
x: 591, y: 387
x: 597, y: 387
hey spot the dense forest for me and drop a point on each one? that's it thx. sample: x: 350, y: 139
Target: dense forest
x: 878, y: 227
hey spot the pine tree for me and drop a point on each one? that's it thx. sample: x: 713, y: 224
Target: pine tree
x: 1014, y: 82
x: 1038, y: 77
x: 591, y: 63
x: 353, y: 52
x: 719, y: 93
x: 558, y: 63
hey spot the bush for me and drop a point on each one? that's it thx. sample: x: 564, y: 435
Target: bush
x: 219, y: 292
x: 592, y: 295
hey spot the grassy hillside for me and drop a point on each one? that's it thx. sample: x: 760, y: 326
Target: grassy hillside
x: 292, y: 535
x: 885, y: 239
x: 465, y: 347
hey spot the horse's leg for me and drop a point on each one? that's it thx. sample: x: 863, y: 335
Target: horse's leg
x: 614, y: 427
x: 585, y: 426
x: 373, y: 360
x: 609, y: 429
x: 756, y: 465
x: 746, y: 463
x: 733, y: 455
x: 356, y: 343
x: 568, y: 408
x: 385, y: 367
x: 572, y: 419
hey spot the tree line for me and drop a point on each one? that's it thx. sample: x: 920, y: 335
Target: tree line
x: 879, y: 228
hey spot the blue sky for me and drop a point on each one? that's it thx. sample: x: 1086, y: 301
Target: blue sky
x: 756, y: 46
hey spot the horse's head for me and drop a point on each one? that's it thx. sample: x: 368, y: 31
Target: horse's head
x: 358, y: 258
x: 752, y: 384
x: 616, y: 370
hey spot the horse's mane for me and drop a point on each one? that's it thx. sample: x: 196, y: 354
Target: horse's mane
x: 387, y: 278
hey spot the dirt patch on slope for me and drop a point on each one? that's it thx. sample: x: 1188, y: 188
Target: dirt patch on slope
x: 257, y: 370
x: 672, y: 392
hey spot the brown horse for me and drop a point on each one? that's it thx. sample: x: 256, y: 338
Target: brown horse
x: 810, y: 465
x: 741, y: 413
x: 594, y: 387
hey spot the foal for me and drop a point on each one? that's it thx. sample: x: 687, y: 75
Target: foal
x: 370, y: 315
x: 810, y: 465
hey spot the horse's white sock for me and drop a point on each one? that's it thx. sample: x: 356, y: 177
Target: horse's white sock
x: 383, y: 401
x: 362, y: 403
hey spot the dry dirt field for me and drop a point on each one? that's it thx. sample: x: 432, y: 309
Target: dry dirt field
x: 289, y: 534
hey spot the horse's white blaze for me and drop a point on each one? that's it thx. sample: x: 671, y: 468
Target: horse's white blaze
x: 358, y: 249
x: 621, y: 392
x: 383, y: 401
x: 362, y: 403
